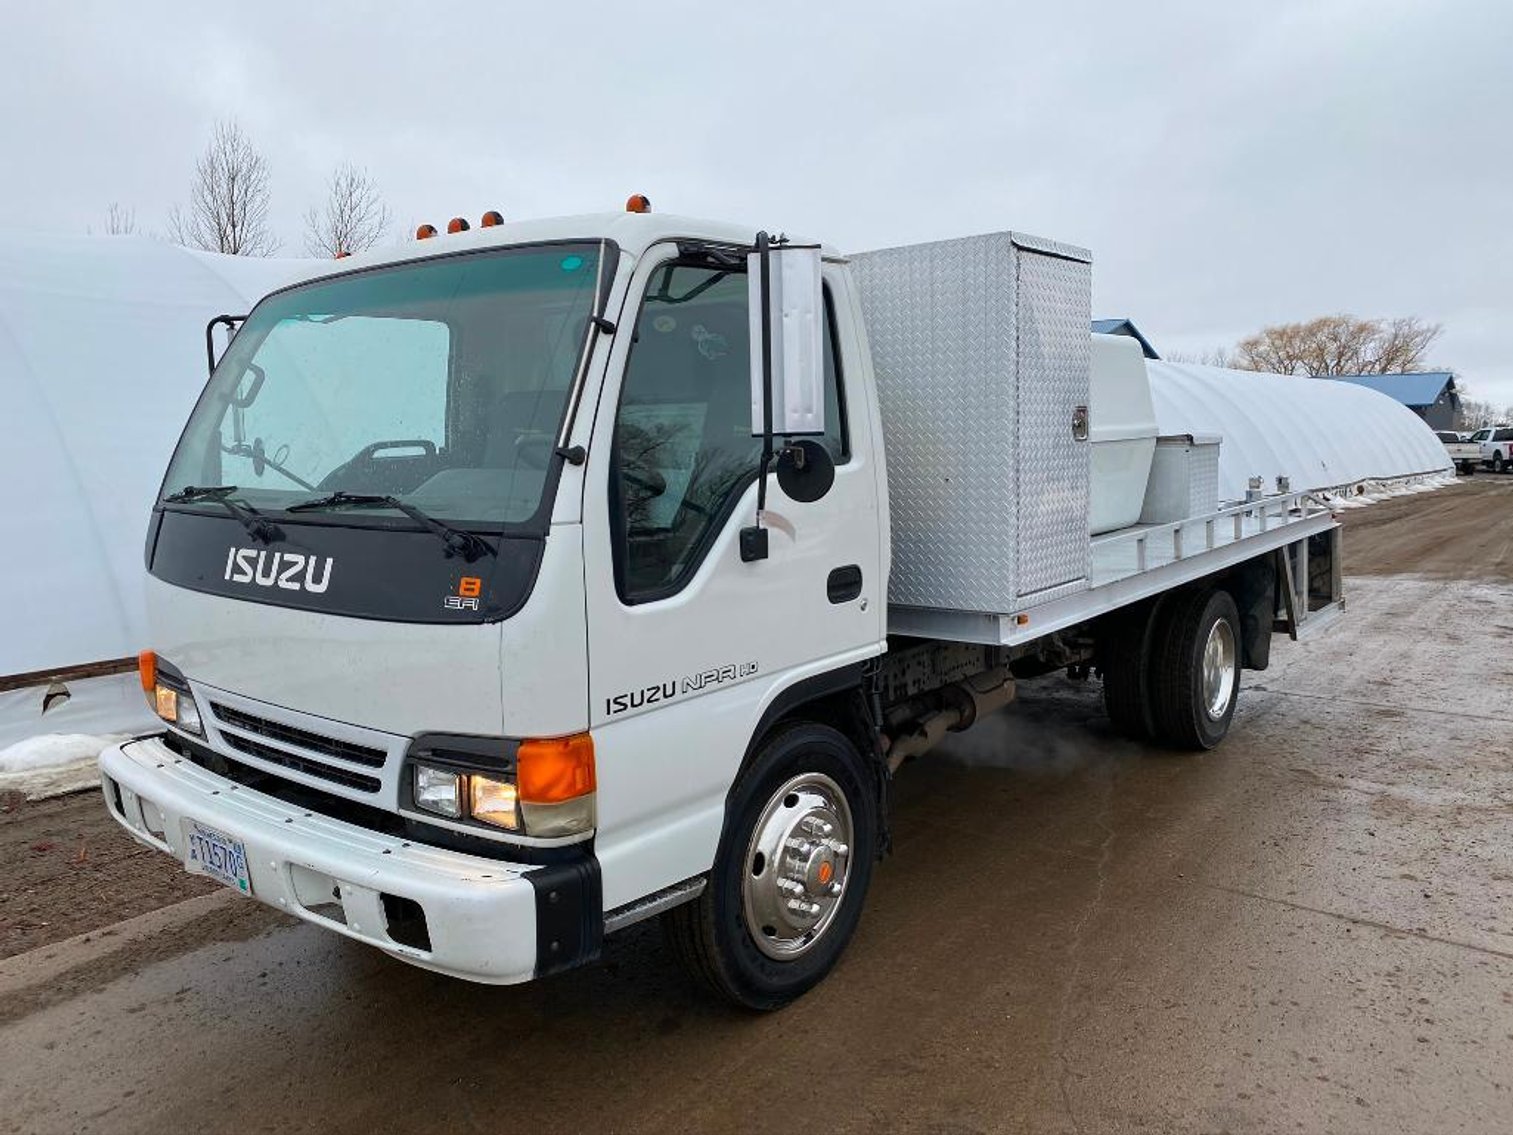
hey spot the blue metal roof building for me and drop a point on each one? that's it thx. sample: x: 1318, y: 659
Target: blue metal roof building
x: 1125, y: 327
x: 1429, y: 394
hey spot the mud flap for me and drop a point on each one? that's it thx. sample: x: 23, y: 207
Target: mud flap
x: 1254, y: 587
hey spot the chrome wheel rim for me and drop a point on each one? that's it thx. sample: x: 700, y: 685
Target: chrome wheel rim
x: 797, y: 865
x: 1219, y: 669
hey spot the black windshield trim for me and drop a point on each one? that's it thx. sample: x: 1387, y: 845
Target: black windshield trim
x: 195, y: 550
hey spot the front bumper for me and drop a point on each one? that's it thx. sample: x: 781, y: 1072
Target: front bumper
x: 479, y: 916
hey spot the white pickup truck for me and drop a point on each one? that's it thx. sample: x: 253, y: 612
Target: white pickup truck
x: 1495, y: 447
x: 1464, y: 452
x: 526, y: 582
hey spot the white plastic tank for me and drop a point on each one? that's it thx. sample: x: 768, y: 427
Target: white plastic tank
x: 1122, y: 430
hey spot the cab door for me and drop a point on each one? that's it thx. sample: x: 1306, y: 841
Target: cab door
x: 688, y: 645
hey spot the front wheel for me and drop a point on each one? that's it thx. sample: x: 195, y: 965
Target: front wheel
x: 786, y: 890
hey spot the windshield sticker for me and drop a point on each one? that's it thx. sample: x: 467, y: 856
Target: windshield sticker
x: 469, y: 588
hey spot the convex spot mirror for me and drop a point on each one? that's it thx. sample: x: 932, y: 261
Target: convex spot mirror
x: 805, y: 470
x: 794, y: 315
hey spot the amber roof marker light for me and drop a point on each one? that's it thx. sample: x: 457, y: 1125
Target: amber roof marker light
x: 638, y: 203
x: 425, y: 232
x: 458, y: 225
x: 491, y: 218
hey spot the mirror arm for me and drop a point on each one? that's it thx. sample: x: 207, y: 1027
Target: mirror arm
x: 231, y: 322
x: 754, y: 538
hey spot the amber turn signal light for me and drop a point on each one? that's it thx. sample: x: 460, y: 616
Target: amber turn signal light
x: 556, y: 769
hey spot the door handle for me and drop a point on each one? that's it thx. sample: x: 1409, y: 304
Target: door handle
x: 844, y: 584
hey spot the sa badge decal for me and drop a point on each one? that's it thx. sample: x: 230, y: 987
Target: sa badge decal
x: 469, y: 587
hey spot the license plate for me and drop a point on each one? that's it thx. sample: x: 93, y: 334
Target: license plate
x: 219, y: 856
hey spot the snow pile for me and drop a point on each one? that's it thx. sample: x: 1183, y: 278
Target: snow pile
x: 53, y: 763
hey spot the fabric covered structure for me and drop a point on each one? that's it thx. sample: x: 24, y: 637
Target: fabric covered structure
x: 102, y: 355
x: 1329, y: 437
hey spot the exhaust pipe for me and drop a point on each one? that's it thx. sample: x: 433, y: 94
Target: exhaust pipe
x: 965, y: 702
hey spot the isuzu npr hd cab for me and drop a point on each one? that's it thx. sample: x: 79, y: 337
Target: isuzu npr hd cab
x: 530, y: 581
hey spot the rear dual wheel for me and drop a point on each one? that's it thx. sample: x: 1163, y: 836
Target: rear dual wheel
x: 1172, y: 671
x: 1195, y: 679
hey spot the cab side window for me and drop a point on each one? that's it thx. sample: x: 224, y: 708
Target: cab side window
x: 683, y: 451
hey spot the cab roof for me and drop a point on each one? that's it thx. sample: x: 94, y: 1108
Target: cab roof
x: 633, y: 233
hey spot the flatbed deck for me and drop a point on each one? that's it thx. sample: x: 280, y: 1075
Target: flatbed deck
x: 1136, y: 563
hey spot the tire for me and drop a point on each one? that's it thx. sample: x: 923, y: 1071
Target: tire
x: 1469, y: 468
x: 1498, y: 465
x: 1193, y: 703
x: 1124, y: 658
x: 715, y: 937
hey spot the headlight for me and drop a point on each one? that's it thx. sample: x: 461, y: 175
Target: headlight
x: 492, y: 801
x: 436, y: 790
x: 177, y: 708
x: 171, y: 701
x: 537, y: 787
x: 189, y: 715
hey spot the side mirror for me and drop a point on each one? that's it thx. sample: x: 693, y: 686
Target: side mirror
x: 805, y: 470
x: 786, y: 309
x: 785, y: 305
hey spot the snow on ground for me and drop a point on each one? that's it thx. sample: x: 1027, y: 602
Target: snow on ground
x: 53, y: 763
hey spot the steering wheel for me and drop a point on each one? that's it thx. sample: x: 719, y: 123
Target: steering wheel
x: 648, y: 480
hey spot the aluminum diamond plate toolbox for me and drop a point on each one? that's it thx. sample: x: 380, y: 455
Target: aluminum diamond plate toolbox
x: 980, y: 347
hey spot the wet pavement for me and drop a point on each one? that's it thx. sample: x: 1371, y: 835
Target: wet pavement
x: 1308, y: 930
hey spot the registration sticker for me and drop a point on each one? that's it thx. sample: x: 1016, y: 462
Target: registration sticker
x: 216, y: 854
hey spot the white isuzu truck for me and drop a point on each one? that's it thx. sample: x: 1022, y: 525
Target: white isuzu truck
x: 533, y: 580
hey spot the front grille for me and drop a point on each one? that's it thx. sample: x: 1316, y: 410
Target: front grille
x: 289, y: 735
x: 300, y: 764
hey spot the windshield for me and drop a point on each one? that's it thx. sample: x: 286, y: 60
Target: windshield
x: 440, y: 383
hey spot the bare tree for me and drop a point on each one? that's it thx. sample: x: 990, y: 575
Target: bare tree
x: 353, y: 219
x: 1339, y: 344
x: 120, y: 221
x: 1475, y: 413
x: 1217, y: 357
x: 228, y: 201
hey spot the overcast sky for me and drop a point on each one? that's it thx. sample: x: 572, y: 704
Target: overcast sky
x: 1230, y: 165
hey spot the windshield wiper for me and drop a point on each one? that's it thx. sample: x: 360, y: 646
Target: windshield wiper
x: 257, y: 526
x: 458, y: 543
